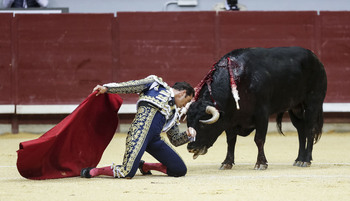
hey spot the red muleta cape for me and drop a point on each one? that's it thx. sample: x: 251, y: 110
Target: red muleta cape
x: 78, y: 141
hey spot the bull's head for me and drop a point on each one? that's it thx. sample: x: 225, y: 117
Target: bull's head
x: 204, y: 118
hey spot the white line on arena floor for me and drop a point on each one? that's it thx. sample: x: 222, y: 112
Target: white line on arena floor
x: 198, y: 164
x: 11, y: 178
x: 281, y: 164
x: 277, y: 176
x: 243, y: 177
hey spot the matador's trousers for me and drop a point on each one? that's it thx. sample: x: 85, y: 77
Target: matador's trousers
x: 144, y: 135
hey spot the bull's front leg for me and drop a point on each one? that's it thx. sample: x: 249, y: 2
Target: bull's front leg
x: 260, y: 137
x: 229, y: 161
x: 261, y: 162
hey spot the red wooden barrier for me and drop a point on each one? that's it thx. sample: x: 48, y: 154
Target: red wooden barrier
x: 61, y: 56
x: 178, y: 46
x: 6, y: 69
x: 266, y: 29
x: 58, y: 58
x: 335, y: 53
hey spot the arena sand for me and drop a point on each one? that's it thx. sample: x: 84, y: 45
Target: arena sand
x: 327, y: 179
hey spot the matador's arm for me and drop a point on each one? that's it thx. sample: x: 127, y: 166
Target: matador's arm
x: 133, y: 86
x: 176, y: 138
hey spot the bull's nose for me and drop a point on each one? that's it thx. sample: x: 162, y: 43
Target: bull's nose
x: 190, y: 146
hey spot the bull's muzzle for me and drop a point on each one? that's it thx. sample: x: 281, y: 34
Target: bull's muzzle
x: 198, y: 152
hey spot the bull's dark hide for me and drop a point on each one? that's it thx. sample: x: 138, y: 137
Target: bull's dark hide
x: 269, y: 81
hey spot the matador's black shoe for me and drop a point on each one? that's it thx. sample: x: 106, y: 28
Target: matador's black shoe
x: 85, y: 172
x: 141, y: 170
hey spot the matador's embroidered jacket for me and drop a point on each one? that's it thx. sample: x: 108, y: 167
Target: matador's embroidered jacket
x: 153, y: 90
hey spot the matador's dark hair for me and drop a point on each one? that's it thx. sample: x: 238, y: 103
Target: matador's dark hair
x: 184, y: 86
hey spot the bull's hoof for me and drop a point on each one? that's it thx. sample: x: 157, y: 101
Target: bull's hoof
x: 306, y: 164
x: 260, y: 166
x: 225, y: 167
x: 302, y: 164
x: 297, y: 163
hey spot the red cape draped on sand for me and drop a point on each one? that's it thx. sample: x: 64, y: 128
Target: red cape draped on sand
x: 78, y: 141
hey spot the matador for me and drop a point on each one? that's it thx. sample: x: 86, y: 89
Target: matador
x: 157, y: 111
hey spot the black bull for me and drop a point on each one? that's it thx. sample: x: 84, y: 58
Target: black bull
x: 269, y: 81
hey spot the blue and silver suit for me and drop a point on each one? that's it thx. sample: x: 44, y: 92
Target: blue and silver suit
x: 156, y: 113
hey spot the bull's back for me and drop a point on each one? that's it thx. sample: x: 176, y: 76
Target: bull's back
x: 281, y: 77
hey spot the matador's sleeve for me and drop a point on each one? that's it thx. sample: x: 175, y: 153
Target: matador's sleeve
x: 176, y: 138
x: 133, y: 86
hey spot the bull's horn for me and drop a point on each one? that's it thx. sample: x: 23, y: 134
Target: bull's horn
x: 213, y: 111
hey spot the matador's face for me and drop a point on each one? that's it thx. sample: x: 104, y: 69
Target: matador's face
x: 181, y: 99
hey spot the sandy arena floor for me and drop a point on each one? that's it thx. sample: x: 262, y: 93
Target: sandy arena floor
x: 327, y: 179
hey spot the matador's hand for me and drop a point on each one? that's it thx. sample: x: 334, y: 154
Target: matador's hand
x: 183, y: 111
x: 191, y: 133
x: 100, y: 90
